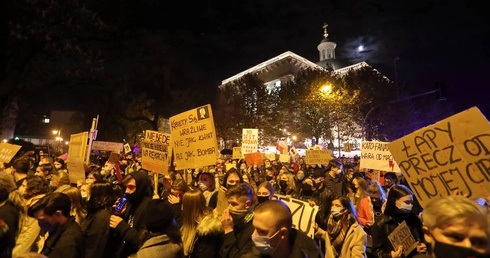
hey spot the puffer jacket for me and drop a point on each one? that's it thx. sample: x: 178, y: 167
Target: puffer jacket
x: 209, y: 238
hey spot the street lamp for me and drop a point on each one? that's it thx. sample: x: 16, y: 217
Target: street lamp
x: 58, y: 138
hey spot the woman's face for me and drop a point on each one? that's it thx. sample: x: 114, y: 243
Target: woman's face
x: 232, y: 179
x: 90, y: 179
x: 336, y: 203
x: 39, y: 172
x: 23, y: 187
x: 469, y: 234
x: 205, y: 179
x: 263, y: 192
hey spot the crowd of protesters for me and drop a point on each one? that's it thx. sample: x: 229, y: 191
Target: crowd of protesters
x: 226, y: 210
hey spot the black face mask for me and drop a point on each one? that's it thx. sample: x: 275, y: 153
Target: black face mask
x: 262, y: 199
x: 307, y: 190
x: 268, y: 178
x: 452, y: 251
x: 283, y: 184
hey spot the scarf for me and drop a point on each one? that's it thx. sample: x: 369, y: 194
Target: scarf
x: 337, y: 230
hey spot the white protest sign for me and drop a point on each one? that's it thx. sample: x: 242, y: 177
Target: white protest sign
x: 250, y: 141
x: 284, y: 158
x: 107, y: 146
x: 237, y: 153
x: 376, y: 155
x: 402, y: 236
x: 303, y: 214
x: 452, y: 155
x: 194, y: 138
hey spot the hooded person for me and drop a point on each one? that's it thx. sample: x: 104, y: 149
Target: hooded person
x: 131, y: 221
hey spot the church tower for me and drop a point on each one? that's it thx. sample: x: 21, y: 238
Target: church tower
x: 326, y: 46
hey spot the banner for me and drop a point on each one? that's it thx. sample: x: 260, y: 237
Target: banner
x: 155, y: 151
x: 8, y: 151
x: 376, y: 155
x: 250, y: 141
x: 194, y: 138
x: 452, y: 155
x: 316, y: 156
x: 107, y: 146
x: 303, y: 214
x: 237, y: 153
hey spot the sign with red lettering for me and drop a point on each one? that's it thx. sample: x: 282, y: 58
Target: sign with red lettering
x: 376, y: 155
x: 452, y: 155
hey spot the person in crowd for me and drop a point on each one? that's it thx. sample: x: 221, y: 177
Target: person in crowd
x: 344, y: 236
x: 207, y: 184
x: 390, y: 180
x: 45, y: 170
x: 237, y: 221
x: 265, y: 192
x: 398, y: 209
x: 161, y: 237
x: 84, y: 191
x: 359, y: 190
x: 93, y: 176
x: 247, y: 178
x: 277, y: 238
x: 12, y: 213
x: 65, y: 235
x: 456, y: 227
x: 130, y: 222
x: 270, y: 175
x: 100, y: 240
x: 298, y: 179
x: 287, y: 185
x: 34, y: 188
x: 256, y: 174
x: 232, y: 177
x: 60, y: 181
x: 333, y: 178
x: 167, y: 184
x: 20, y: 168
x: 59, y: 164
x: 179, y: 188
x: 77, y: 205
x: 370, y: 207
x: 202, y: 232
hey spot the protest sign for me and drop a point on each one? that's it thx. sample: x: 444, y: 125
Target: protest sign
x: 194, y: 138
x: 127, y: 148
x: 107, y: 146
x: 303, y: 214
x: 452, y: 155
x: 237, y: 153
x: 402, y: 236
x: 77, y: 147
x: 8, y: 151
x: 318, y: 156
x: 271, y: 156
x: 284, y: 158
x: 114, y: 158
x: 254, y: 158
x: 347, y: 147
x: 250, y: 141
x: 76, y: 167
x: 376, y: 155
x: 155, y: 151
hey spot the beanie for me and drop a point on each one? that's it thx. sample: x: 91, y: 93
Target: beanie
x: 160, y: 216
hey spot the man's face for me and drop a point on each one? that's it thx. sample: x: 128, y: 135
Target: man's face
x: 52, y: 220
x: 239, y: 203
x: 469, y: 235
x: 232, y: 179
x: 265, y: 226
x: 130, y: 186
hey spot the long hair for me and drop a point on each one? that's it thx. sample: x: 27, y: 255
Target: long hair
x: 8, y: 191
x: 396, y: 192
x: 77, y: 207
x: 193, y: 209
x: 347, y: 203
x: 101, y: 197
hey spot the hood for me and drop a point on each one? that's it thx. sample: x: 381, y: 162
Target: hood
x: 209, y: 225
x: 143, y: 185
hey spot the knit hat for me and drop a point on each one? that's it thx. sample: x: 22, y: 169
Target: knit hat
x: 160, y: 216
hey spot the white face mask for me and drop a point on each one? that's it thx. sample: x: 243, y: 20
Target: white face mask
x: 203, y: 187
x: 336, y: 211
x: 262, y: 243
x: 402, y: 206
x: 300, y: 176
x: 57, y: 166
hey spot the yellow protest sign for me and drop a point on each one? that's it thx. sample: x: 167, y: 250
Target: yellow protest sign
x: 194, y: 138
x: 8, y: 151
x: 78, y: 147
x: 237, y: 152
x: 155, y: 151
x: 315, y: 156
x: 376, y: 155
x: 450, y: 155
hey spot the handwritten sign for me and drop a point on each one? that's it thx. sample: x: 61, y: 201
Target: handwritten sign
x: 78, y: 147
x: 194, y: 138
x: 76, y: 167
x: 237, y: 152
x: 450, y: 155
x: 284, y: 158
x: 376, y: 155
x: 155, y: 151
x: 303, y: 214
x: 271, y: 156
x: 318, y: 156
x: 402, y: 236
x: 107, y: 146
x: 8, y: 151
x: 254, y: 158
x: 250, y: 141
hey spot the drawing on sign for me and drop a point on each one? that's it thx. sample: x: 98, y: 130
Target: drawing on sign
x: 203, y: 113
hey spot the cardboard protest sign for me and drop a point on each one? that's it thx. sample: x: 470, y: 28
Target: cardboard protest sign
x: 402, y: 236
x: 250, y: 141
x: 155, y: 155
x: 377, y: 155
x: 315, y: 156
x: 113, y: 158
x: 222, y: 202
x: 254, y: 158
x: 284, y: 158
x: 347, y: 147
x: 8, y: 151
x: 271, y: 156
x: 107, y: 146
x: 303, y: 214
x: 76, y: 166
x: 194, y: 138
x: 450, y: 155
x: 78, y: 147
x: 237, y: 153
x: 127, y: 148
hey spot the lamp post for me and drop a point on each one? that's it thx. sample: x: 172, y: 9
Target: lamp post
x: 59, y: 139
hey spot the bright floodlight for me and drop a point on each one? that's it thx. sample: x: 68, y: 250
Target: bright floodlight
x: 326, y: 88
x: 360, y: 48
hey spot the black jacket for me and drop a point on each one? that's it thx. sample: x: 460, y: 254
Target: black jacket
x: 209, y: 238
x: 238, y: 242
x: 65, y: 242
x: 100, y: 239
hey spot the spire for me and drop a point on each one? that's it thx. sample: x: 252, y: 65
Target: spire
x: 325, y: 34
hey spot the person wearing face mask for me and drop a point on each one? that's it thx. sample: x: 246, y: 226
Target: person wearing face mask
x: 232, y: 177
x: 265, y: 192
x: 236, y: 220
x: 59, y: 163
x: 207, y: 184
x: 370, y: 207
x: 65, y: 235
x: 456, y: 227
x: 276, y: 238
x: 398, y: 209
x: 344, y: 237
x: 334, y: 179
x: 287, y: 185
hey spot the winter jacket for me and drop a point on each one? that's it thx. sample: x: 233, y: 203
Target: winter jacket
x: 100, y: 239
x: 66, y: 241
x: 209, y: 238
x: 239, y: 241
x: 27, y: 237
x: 159, y: 246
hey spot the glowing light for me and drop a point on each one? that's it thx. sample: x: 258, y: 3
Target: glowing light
x: 360, y: 48
x: 326, y: 88
x: 55, y: 131
x: 4, y: 140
